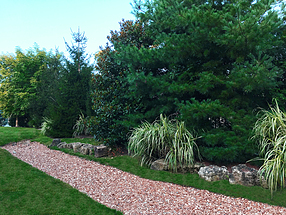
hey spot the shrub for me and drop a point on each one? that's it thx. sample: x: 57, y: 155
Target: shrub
x: 82, y: 125
x: 163, y: 138
x: 46, y: 126
x: 270, y: 130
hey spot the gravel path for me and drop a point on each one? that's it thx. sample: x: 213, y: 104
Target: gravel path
x: 129, y: 193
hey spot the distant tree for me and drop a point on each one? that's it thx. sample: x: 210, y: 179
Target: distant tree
x: 47, y: 88
x: 73, y: 96
x: 20, y: 76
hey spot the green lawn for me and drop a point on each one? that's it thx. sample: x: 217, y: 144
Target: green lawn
x: 27, y: 190
x: 124, y: 163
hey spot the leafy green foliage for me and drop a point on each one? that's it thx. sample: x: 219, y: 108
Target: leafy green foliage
x: 211, y: 63
x: 168, y: 139
x: 270, y: 131
x: 20, y: 81
x: 47, y: 89
x: 112, y: 104
x: 28, y: 82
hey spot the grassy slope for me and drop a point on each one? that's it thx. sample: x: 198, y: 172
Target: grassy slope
x: 129, y: 164
x: 27, y: 190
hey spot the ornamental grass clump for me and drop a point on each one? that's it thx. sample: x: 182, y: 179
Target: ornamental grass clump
x: 82, y: 126
x: 164, y: 138
x: 46, y: 126
x: 270, y: 130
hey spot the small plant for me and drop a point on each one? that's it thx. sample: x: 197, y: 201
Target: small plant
x: 82, y: 126
x: 164, y: 138
x: 46, y: 125
x: 270, y: 130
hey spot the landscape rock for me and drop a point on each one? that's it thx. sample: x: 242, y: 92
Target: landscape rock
x: 191, y: 168
x: 159, y: 165
x: 77, y: 146
x: 69, y: 146
x: 244, y: 175
x: 62, y: 145
x: 87, y: 149
x: 26, y: 142
x: 100, y: 151
x: 213, y: 173
x: 55, y: 142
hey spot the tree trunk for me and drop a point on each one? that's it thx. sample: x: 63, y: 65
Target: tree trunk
x: 17, y: 125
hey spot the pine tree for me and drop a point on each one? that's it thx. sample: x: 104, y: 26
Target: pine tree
x: 212, y: 63
x: 73, y: 96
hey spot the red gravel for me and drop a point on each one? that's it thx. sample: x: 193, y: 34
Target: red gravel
x: 129, y: 193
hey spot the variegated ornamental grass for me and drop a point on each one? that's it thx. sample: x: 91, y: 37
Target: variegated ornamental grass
x: 270, y: 130
x: 46, y: 125
x: 164, y: 138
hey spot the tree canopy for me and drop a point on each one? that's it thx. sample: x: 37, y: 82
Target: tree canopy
x: 73, y: 95
x: 20, y: 80
x: 209, y: 63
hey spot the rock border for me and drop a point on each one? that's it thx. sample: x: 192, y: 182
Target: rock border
x: 83, y: 148
x: 240, y: 174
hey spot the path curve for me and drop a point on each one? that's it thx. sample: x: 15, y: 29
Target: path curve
x: 129, y: 193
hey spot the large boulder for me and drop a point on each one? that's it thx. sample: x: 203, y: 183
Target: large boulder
x: 247, y: 176
x: 69, y: 146
x: 213, y: 173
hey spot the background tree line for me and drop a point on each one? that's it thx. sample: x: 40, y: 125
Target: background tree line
x: 209, y: 63
x: 39, y: 86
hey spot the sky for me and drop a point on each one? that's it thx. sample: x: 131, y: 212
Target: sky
x: 49, y: 22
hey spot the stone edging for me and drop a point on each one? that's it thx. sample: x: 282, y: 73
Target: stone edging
x: 83, y: 148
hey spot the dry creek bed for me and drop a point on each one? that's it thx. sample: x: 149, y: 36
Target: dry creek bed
x: 129, y: 193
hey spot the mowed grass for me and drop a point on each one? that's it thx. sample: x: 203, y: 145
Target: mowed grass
x: 131, y: 165
x: 27, y: 190
x: 10, y: 134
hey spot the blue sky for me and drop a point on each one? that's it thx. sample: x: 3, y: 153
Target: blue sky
x: 49, y: 22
